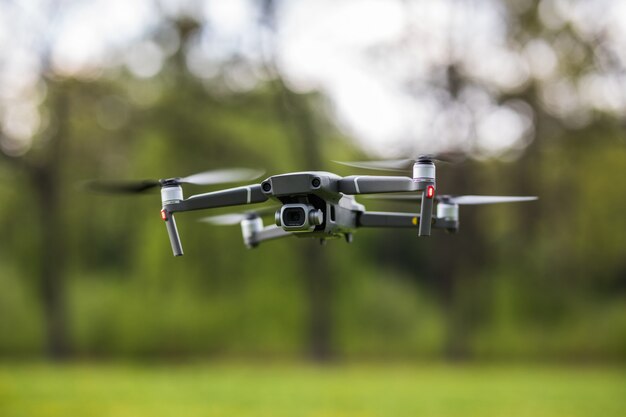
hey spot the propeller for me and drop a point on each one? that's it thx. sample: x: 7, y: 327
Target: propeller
x: 214, y: 177
x: 230, y: 219
x: 403, y: 165
x: 467, y: 200
x: 457, y: 199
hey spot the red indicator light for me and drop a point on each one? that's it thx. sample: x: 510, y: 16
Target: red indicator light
x: 430, y: 191
x: 164, y: 215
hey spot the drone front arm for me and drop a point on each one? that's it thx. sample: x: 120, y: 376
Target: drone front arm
x: 370, y: 184
x: 250, y: 194
x: 377, y: 184
x: 401, y: 220
x: 231, y: 197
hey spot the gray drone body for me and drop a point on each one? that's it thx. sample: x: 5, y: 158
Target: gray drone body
x: 314, y: 204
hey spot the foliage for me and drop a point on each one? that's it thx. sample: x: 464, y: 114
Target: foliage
x: 545, y: 280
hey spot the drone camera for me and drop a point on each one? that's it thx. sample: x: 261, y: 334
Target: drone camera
x: 294, y: 217
x: 299, y: 217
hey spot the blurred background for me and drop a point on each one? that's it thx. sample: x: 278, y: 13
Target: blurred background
x: 532, y: 92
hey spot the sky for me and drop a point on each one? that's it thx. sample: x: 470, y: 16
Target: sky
x: 379, y: 62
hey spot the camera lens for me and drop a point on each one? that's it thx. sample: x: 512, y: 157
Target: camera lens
x: 294, y: 216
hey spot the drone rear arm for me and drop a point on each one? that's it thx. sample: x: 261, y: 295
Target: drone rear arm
x: 265, y: 234
x: 231, y: 197
x: 401, y: 220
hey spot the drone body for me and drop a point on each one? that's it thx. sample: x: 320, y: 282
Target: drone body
x: 313, y: 204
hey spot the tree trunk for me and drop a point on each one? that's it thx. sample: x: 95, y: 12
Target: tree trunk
x: 318, y: 284
x: 299, y: 123
x: 297, y: 117
x: 51, y: 280
x: 453, y: 275
x: 46, y: 183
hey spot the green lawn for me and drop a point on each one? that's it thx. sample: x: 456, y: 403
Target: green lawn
x: 294, y: 390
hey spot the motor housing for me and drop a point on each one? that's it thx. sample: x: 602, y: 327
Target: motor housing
x: 171, y: 194
x: 424, y: 171
x: 448, y: 211
x: 249, y: 228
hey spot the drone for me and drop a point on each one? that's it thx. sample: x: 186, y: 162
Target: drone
x: 313, y: 204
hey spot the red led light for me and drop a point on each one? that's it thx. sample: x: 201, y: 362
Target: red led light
x: 163, y: 215
x: 430, y: 191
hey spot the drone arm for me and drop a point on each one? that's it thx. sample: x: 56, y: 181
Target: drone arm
x: 401, y: 220
x: 369, y: 184
x: 250, y: 194
x: 265, y: 234
x: 232, y: 197
x: 426, y: 211
x: 377, y: 184
x: 172, y: 231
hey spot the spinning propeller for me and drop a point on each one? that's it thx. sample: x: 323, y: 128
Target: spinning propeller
x: 423, y: 172
x: 230, y: 219
x: 448, y: 207
x: 404, y: 165
x: 214, y: 177
x: 172, y: 193
x: 466, y: 200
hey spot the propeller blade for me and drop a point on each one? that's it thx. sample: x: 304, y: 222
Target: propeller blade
x: 485, y: 199
x: 224, y: 219
x: 120, y: 187
x: 222, y: 176
x: 213, y: 177
x: 386, y: 165
x: 403, y: 164
x: 464, y: 200
x: 230, y: 219
x: 447, y: 157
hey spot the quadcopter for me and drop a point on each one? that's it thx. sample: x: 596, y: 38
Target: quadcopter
x: 314, y: 204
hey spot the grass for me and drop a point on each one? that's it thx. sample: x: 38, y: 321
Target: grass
x: 300, y: 390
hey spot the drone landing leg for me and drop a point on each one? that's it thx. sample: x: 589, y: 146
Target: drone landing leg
x: 426, y: 212
x: 172, y: 231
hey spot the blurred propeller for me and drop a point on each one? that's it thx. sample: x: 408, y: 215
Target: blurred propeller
x: 230, y: 219
x: 456, y: 199
x: 467, y: 200
x: 214, y: 177
x: 403, y: 164
x: 222, y: 176
x: 386, y: 165
x: 119, y: 187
